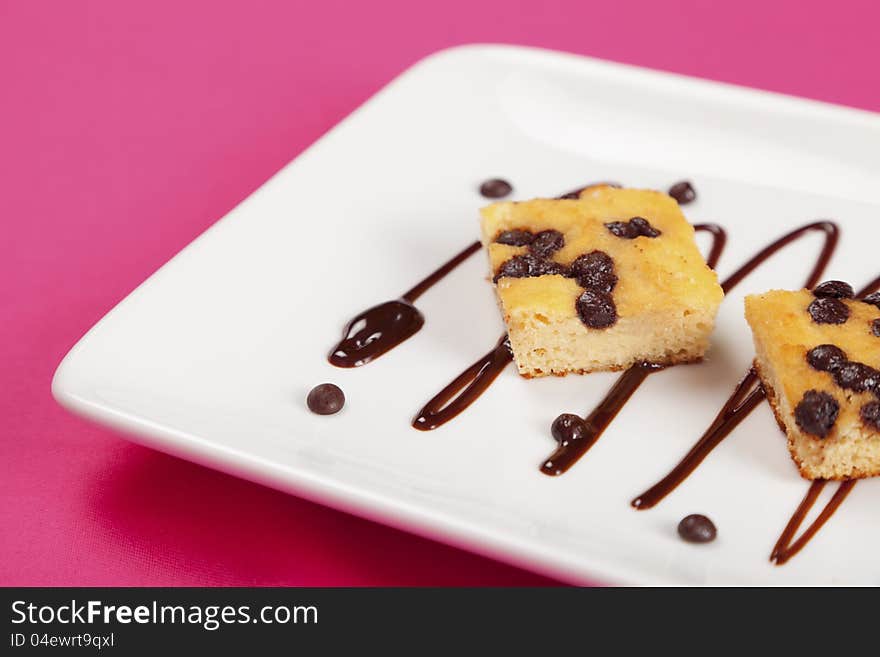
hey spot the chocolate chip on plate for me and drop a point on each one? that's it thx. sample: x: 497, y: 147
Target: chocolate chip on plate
x: 515, y: 237
x: 834, y: 290
x: 546, y: 243
x: 683, y: 192
x: 873, y: 299
x: 594, y: 271
x: 827, y: 310
x: 325, y: 399
x: 567, y: 428
x: 826, y: 357
x: 596, y: 309
x: 875, y: 327
x: 697, y: 528
x: 816, y: 413
x: 495, y: 188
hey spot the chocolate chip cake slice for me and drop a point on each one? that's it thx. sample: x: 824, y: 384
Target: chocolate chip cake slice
x: 818, y: 355
x: 599, y: 282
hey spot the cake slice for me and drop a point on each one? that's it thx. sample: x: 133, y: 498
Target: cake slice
x: 817, y: 354
x: 599, y: 282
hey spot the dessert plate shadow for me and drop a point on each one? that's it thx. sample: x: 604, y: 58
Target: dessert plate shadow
x: 211, y: 359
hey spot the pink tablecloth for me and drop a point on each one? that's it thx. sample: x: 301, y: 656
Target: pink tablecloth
x: 128, y: 128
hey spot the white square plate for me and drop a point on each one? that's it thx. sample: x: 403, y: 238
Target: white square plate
x: 211, y: 358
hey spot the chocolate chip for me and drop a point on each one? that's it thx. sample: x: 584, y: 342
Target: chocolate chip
x: 567, y: 428
x: 594, y: 271
x: 495, y: 188
x: 644, y: 227
x: 697, y: 528
x: 519, y: 266
x: 526, y: 266
x: 683, y: 192
x: 828, y: 311
x: 546, y: 243
x: 826, y: 357
x: 834, y: 290
x: 875, y: 327
x: 325, y: 399
x: 596, y: 309
x: 873, y: 299
x: 515, y: 237
x: 635, y: 227
x: 623, y: 229
x: 857, y: 377
x: 870, y: 414
x: 816, y: 413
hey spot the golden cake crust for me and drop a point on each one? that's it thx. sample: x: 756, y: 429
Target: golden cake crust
x: 783, y: 333
x: 666, y: 296
x: 654, y: 273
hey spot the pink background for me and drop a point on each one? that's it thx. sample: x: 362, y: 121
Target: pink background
x: 126, y: 129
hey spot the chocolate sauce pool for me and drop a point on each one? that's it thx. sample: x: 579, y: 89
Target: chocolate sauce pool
x: 376, y: 330
x: 373, y: 332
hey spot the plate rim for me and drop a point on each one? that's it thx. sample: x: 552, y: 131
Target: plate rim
x: 396, y: 512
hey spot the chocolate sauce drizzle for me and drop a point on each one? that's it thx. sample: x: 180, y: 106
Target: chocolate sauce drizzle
x: 785, y: 549
x: 742, y: 402
x: 749, y: 393
x: 871, y: 287
x: 423, y: 286
x: 598, y: 420
x: 377, y: 330
x: 381, y: 328
x: 719, y: 241
x: 464, y: 389
x: 474, y: 381
x: 832, y: 235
